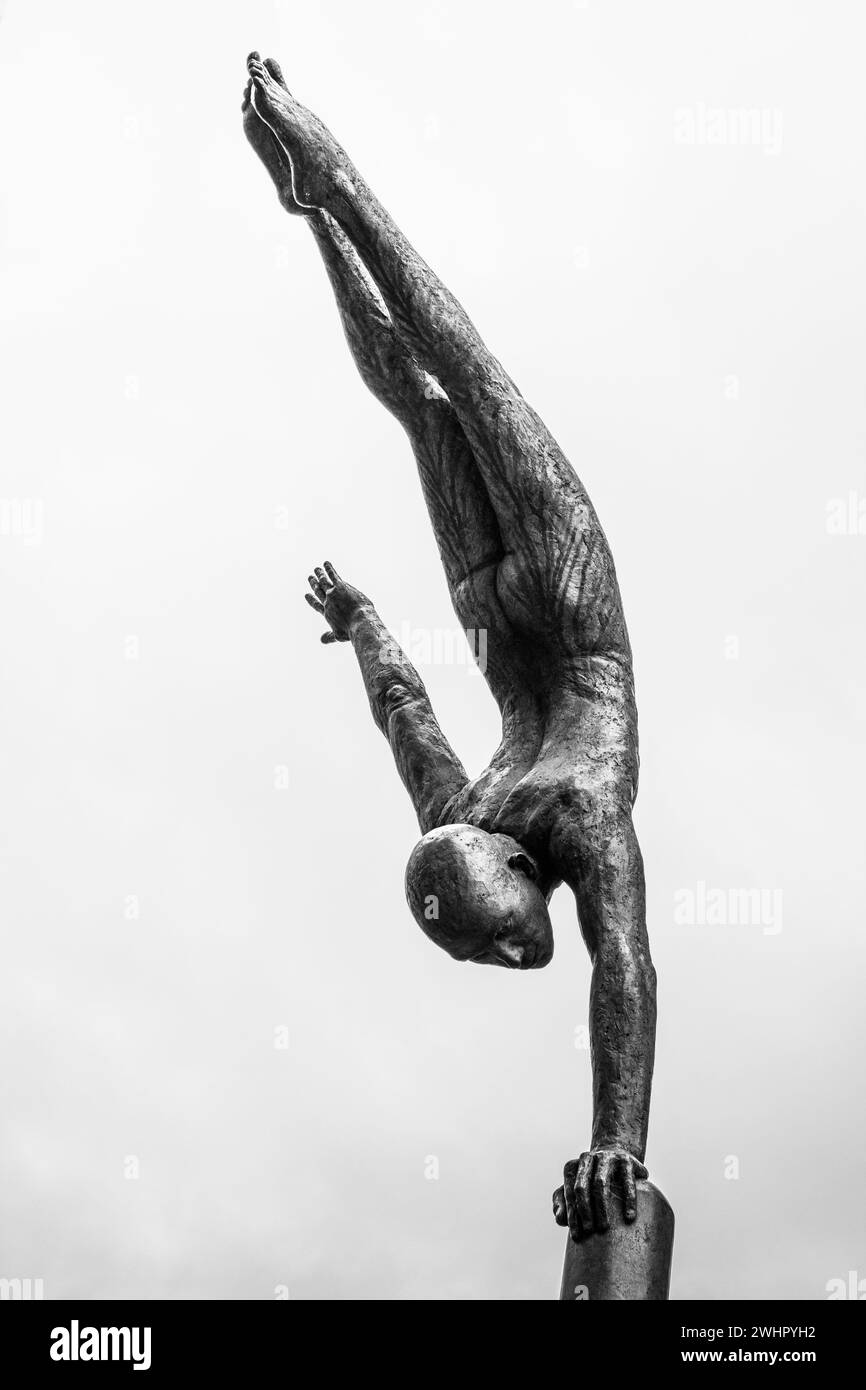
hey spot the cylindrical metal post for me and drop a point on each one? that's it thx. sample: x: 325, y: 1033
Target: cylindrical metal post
x: 631, y: 1261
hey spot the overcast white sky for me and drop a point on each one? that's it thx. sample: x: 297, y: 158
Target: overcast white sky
x: 678, y: 287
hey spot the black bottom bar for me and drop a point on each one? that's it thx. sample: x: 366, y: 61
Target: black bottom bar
x: 222, y: 1339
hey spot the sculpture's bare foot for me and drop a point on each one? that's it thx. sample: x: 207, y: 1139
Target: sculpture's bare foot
x: 270, y: 151
x: 320, y: 166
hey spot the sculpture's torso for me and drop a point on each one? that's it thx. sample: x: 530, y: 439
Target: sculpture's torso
x: 558, y: 662
x: 575, y: 731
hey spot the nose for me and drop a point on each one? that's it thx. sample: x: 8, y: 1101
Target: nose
x: 510, y: 953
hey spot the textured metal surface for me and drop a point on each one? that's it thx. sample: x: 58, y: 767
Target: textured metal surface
x: 527, y: 565
x: 632, y: 1262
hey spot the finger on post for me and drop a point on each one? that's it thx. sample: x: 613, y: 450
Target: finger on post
x: 629, y: 1189
x: 581, y: 1187
x: 560, y: 1211
x: 572, y: 1215
x: 601, y: 1191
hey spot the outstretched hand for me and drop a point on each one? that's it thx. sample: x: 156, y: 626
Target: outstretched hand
x: 338, y: 602
x: 591, y: 1182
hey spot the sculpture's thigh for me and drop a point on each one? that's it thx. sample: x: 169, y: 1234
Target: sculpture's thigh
x: 463, y: 520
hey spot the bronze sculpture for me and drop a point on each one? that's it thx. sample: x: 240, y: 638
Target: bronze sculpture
x: 526, y: 560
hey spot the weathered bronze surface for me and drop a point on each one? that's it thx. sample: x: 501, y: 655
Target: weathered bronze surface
x: 631, y: 1262
x: 527, y: 562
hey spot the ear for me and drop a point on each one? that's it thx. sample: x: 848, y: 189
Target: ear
x: 522, y: 864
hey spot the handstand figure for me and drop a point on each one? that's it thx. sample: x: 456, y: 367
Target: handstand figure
x: 526, y: 560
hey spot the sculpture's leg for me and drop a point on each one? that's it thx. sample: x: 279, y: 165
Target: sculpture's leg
x: 463, y: 520
x: 527, y: 477
x: 631, y: 1261
x: 565, y: 585
x: 564, y: 581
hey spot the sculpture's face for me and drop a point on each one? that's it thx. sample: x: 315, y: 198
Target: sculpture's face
x: 476, y: 896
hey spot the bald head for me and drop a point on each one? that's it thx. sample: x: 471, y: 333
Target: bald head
x: 475, y: 895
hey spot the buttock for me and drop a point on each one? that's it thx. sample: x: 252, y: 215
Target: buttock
x: 565, y: 593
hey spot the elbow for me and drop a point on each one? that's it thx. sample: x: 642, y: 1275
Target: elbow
x: 394, y: 696
x: 620, y: 957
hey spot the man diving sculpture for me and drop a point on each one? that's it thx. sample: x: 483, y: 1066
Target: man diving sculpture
x: 527, y: 561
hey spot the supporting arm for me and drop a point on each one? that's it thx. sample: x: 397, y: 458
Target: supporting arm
x: 622, y: 996
x: 608, y: 881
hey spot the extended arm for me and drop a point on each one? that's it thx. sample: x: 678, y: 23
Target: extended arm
x: 612, y: 910
x: 430, y: 769
x: 609, y: 887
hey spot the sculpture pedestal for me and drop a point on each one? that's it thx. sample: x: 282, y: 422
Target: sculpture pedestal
x: 629, y: 1262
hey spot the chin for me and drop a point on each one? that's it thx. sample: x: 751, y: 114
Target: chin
x: 540, y: 958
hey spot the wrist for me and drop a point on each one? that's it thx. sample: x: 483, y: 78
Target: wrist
x: 363, y: 616
x: 631, y: 1143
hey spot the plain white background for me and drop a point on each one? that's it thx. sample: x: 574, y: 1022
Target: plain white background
x: 203, y: 841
